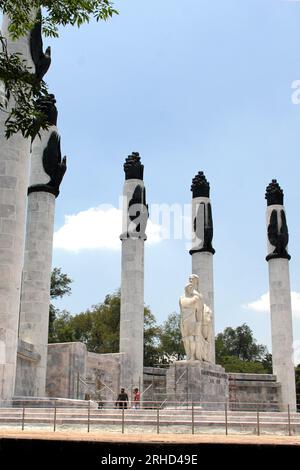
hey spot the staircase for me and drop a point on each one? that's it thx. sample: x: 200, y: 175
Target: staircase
x: 168, y: 420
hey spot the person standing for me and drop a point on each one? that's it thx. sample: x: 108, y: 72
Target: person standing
x: 136, y: 399
x: 122, y: 400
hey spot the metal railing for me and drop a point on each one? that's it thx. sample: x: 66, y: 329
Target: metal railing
x: 155, y: 417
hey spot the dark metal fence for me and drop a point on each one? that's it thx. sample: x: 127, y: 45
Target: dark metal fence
x: 154, y: 417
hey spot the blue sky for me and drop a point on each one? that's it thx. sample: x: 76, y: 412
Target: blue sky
x: 194, y: 85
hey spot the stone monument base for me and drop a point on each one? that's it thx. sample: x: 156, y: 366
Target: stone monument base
x: 41, y: 402
x: 200, y: 383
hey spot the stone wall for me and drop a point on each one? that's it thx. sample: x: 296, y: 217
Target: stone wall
x: 254, y: 391
x: 103, y: 373
x: 73, y: 372
x: 197, y: 382
x: 27, y: 363
x: 66, y: 367
x: 154, y: 385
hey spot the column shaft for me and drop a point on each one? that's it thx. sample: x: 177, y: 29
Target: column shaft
x: 35, y: 299
x: 282, y: 330
x: 202, y: 265
x: 14, y: 169
x: 132, y: 311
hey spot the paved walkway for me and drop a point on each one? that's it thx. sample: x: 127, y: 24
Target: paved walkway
x: 151, y: 438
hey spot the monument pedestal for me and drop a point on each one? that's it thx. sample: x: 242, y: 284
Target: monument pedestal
x: 201, y: 383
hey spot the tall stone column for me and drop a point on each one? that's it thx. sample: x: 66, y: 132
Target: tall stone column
x: 280, y: 294
x: 47, y: 171
x: 202, y: 251
x: 14, y: 169
x: 135, y: 215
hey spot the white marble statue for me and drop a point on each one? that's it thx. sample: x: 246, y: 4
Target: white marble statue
x: 196, y: 322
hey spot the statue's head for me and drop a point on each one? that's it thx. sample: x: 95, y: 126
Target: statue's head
x: 189, y: 289
x: 194, y: 280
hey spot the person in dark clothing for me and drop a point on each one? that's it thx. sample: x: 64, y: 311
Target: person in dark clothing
x: 122, y: 400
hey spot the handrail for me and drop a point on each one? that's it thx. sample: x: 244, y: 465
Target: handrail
x: 184, y: 372
x: 106, y: 386
x: 146, y: 389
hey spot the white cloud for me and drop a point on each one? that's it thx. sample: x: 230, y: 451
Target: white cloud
x: 97, y: 228
x: 263, y: 304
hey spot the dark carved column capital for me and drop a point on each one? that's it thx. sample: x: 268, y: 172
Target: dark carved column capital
x: 200, y: 186
x: 133, y: 167
x: 274, y: 194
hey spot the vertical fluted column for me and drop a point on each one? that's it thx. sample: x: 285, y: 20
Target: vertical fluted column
x: 135, y: 215
x: 47, y: 171
x: 14, y: 168
x: 280, y: 295
x: 202, y: 251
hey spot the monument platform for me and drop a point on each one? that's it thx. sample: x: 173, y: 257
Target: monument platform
x: 202, y: 383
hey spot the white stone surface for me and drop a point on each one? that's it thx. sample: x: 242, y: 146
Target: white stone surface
x: 278, y: 208
x: 37, y: 172
x: 35, y: 294
x: 129, y: 187
x: 132, y: 298
x: 35, y: 298
x: 202, y: 265
x: 198, y: 204
x: 132, y: 313
x: 282, y: 329
x: 14, y: 166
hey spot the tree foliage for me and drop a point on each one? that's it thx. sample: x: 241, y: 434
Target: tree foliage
x: 171, y: 345
x: 237, y: 351
x: 59, y: 287
x: 239, y: 342
x: 98, y: 328
x: 21, y: 89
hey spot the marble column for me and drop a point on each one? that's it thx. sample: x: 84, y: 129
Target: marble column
x: 47, y: 171
x: 14, y: 172
x: 202, y: 251
x: 280, y: 294
x: 135, y: 215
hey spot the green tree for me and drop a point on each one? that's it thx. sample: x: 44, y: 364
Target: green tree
x: 239, y: 342
x: 238, y: 351
x: 268, y: 363
x: 234, y: 364
x: 59, y: 287
x: 99, y: 328
x: 171, y: 346
x: 151, y: 339
x: 19, y: 82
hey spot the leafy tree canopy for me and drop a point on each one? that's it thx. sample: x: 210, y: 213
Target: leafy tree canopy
x: 59, y: 287
x: 20, y: 88
x: 239, y: 342
x: 171, y: 345
x: 98, y: 328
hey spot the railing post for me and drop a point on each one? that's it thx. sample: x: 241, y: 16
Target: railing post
x: 193, y: 419
x: 123, y: 419
x: 226, y: 419
x: 258, y: 424
x: 289, y: 420
x: 54, y: 423
x: 77, y: 387
x: 23, y: 418
x: 157, y: 424
x: 89, y: 413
